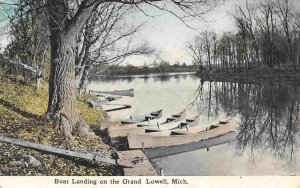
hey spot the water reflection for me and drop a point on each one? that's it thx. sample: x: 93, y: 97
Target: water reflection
x: 113, y: 79
x: 269, y: 113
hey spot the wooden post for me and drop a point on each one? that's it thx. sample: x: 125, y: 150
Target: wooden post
x: 158, y: 125
x: 207, y: 149
x: 126, y: 143
x: 143, y: 147
x: 161, y: 172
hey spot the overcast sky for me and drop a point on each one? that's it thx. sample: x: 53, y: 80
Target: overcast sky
x: 168, y: 34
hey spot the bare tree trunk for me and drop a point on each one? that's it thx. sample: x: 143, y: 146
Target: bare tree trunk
x: 41, y: 67
x: 63, y: 106
x: 62, y: 97
x: 79, y: 76
x: 298, y: 53
x: 82, y: 79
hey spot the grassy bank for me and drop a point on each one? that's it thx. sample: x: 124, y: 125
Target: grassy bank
x: 21, y: 107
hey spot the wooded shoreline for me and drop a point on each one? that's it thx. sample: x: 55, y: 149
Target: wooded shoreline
x: 133, y: 70
x: 254, y: 75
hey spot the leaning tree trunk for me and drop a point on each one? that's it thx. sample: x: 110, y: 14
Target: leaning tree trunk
x: 40, y: 68
x: 82, y: 70
x: 82, y: 79
x: 63, y: 107
x: 79, y: 76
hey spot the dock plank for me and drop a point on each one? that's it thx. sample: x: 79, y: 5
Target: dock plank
x: 125, y: 132
x: 106, y: 123
x: 113, y: 127
x: 141, y: 168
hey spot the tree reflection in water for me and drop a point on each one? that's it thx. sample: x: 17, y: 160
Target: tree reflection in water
x: 269, y: 113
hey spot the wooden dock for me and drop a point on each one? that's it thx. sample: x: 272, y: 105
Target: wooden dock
x: 137, y: 160
x: 118, y: 133
x: 118, y: 126
x: 106, y: 123
x: 119, y: 137
x: 125, y: 132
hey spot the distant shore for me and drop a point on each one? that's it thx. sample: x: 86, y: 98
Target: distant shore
x: 266, y: 74
x: 141, y: 74
x: 132, y: 70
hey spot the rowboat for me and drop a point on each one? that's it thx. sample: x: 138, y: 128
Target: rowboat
x: 137, y: 119
x: 129, y: 92
x: 112, y: 97
x: 191, y: 122
x: 107, y: 99
x: 163, y: 127
x: 106, y: 106
x: 174, y: 125
x: 145, y: 140
x: 175, y: 117
x: 196, y: 129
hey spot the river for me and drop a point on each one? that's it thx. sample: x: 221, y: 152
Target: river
x: 268, y: 129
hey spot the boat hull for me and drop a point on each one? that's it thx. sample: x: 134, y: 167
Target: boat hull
x: 138, y: 119
x: 174, y: 118
x: 152, y: 153
x: 174, y: 125
x: 163, y: 127
x: 129, y: 92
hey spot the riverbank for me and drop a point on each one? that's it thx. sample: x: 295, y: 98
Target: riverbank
x: 254, y: 75
x: 21, y: 110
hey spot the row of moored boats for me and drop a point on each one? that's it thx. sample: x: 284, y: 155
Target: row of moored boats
x: 174, y: 130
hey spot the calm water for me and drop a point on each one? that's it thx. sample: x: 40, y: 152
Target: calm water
x: 268, y: 132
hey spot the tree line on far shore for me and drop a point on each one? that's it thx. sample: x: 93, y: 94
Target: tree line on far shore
x: 161, y: 67
x: 268, y: 35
